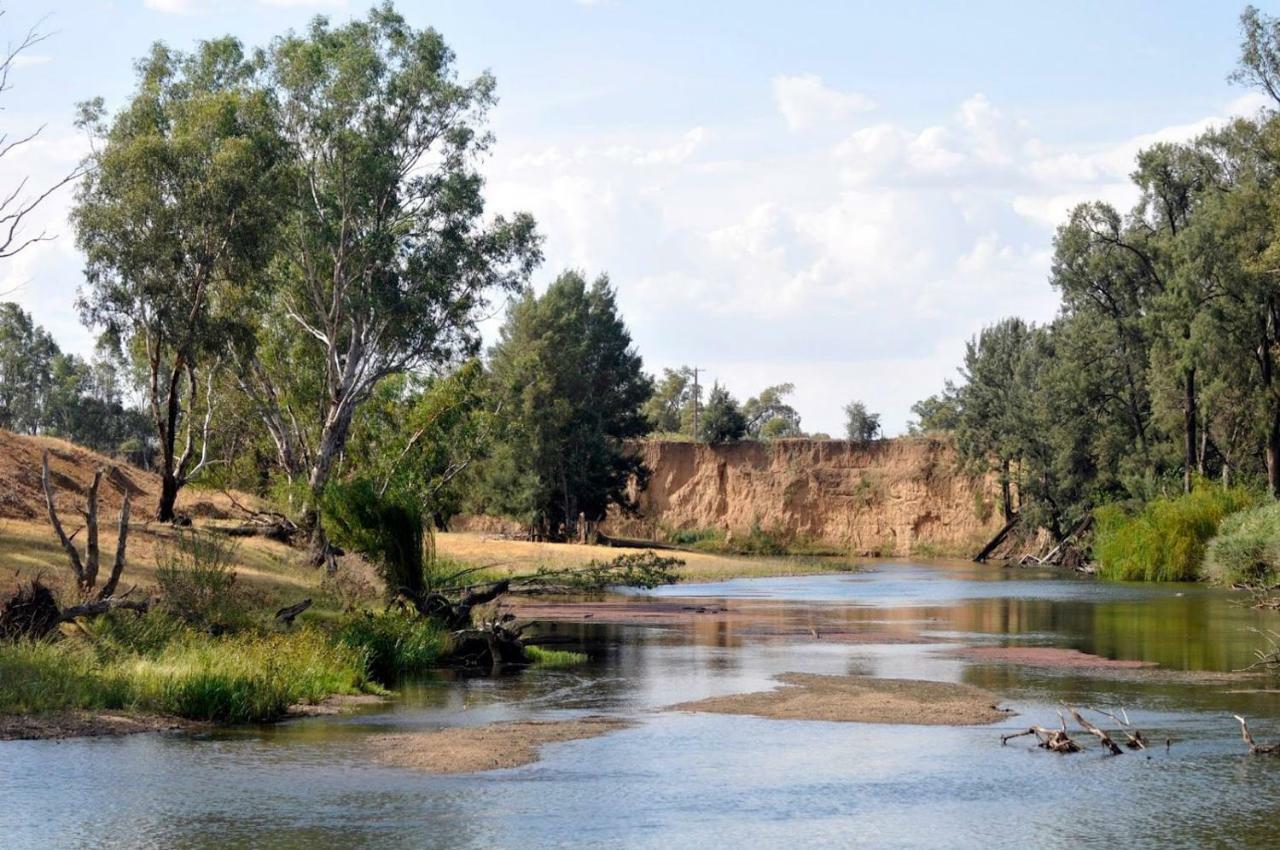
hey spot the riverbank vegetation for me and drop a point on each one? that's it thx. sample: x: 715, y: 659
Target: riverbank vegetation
x: 1160, y: 369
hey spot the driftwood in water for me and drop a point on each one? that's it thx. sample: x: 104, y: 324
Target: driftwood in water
x: 1096, y: 732
x: 1053, y: 740
x: 991, y: 546
x: 1255, y: 747
x: 1134, y: 739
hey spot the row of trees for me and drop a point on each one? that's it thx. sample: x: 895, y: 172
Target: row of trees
x: 287, y: 254
x: 676, y: 408
x: 1161, y: 365
x: 46, y: 391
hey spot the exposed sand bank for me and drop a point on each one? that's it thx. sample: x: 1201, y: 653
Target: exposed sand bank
x: 88, y: 724
x: 861, y: 699
x: 470, y: 749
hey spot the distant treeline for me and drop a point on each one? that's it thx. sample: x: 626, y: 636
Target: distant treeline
x: 1161, y: 366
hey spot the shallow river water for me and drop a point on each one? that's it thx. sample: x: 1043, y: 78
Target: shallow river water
x: 684, y: 780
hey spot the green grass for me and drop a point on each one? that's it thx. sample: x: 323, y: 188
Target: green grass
x: 1166, y: 539
x: 540, y: 657
x: 393, y: 643
x: 158, y: 666
x: 1247, y: 548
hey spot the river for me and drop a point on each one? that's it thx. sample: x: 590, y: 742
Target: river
x: 686, y: 780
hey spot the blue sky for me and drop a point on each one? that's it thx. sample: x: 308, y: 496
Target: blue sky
x: 835, y: 194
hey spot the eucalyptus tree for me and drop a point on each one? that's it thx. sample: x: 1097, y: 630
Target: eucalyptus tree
x: 769, y: 416
x: 386, y: 258
x: 860, y: 424
x: 174, y: 215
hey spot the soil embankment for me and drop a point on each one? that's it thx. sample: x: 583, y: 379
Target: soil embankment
x: 887, y: 497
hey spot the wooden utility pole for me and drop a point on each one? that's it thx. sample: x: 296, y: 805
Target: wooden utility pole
x: 696, y: 397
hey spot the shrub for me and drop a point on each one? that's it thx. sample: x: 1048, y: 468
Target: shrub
x: 197, y: 579
x: 1166, y: 539
x: 1247, y: 548
x: 389, y: 533
x: 394, y: 643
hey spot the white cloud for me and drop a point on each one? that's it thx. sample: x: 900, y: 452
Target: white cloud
x: 806, y: 102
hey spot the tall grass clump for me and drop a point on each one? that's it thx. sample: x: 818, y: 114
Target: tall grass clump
x: 197, y: 579
x: 394, y: 643
x: 158, y: 664
x: 1247, y: 548
x: 1165, y: 540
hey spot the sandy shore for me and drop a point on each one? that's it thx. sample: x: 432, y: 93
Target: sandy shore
x: 470, y: 749
x: 861, y: 699
x: 87, y: 724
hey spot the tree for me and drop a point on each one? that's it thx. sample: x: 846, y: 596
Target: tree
x: 26, y: 370
x: 417, y: 436
x: 571, y: 391
x: 722, y: 420
x: 938, y: 412
x: 769, y: 416
x: 175, y: 214
x: 860, y: 425
x: 387, y: 257
x: 670, y: 408
x: 17, y: 203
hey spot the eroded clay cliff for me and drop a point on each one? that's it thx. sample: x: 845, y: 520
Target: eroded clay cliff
x: 892, y: 497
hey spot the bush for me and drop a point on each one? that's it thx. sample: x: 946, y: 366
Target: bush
x: 1166, y: 539
x: 1247, y: 548
x: 394, y: 643
x: 197, y: 579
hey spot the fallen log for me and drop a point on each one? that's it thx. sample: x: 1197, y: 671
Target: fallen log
x: 286, y: 616
x: 1134, y: 739
x: 986, y: 551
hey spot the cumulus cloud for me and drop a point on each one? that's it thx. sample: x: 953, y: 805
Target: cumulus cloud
x: 805, y: 101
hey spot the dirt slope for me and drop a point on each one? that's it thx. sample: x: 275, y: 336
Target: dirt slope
x: 891, y: 497
x: 71, y: 467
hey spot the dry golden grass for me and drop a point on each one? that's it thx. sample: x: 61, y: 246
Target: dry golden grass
x: 520, y: 557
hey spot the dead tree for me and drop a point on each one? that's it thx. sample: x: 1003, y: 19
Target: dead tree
x: 86, y: 569
x: 1096, y: 732
x: 1254, y: 747
x: 991, y: 546
x: 1134, y: 739
x: 1053, y: 740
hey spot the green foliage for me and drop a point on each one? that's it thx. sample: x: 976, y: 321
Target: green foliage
x: 670, y: 409
x: 722, y: 421
x: 176, y: 211
x: 197, y: 579
x: 388, y: 532
x: 44, y: 391
x: 394, y: 643
x: 1165, y: 540
x: 639, y: 569
x: 155, y: 664
x: 571, y: 391
x: 768, y: 415
x: 417, y: 436
x: 860, y: 425
x: 1246, y: 549
x: 554, y: 658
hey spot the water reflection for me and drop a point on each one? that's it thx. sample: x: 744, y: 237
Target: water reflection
x: 684, y: 780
